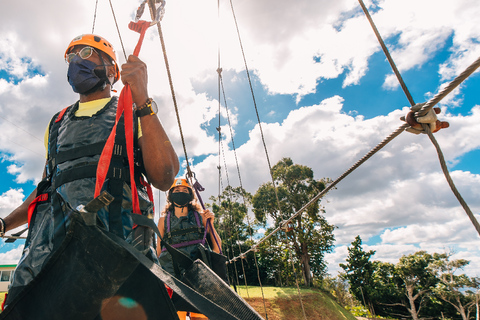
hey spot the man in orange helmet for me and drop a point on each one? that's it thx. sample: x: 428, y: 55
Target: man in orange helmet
x: 74, y: 141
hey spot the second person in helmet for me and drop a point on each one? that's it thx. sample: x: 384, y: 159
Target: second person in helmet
x: 182, y: 224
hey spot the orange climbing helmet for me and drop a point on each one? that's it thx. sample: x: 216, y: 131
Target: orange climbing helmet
x: 96, y: 42
x: 180, y: 182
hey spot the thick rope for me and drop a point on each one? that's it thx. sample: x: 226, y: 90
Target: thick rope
x: 428, y: 106
x: 449, y: 88
x: 387, y: 54
x: 118, y: 30
x: 153, y: 15
x: 449, y: 179
x: 94, y: 16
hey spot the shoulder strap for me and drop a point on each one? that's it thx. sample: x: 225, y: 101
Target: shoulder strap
x: 53, y: 127
x: 169, y: 225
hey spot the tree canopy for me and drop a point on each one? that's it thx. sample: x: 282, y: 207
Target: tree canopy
x: 309, y: 235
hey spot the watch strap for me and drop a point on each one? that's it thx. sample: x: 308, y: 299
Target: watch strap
x: 145, y: 109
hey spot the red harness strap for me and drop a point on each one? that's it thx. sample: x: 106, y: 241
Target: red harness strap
x: 60, y: 115
x: 124, y: 106
x: 33, y: 205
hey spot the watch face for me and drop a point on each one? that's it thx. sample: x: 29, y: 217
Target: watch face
x: 154, y: 107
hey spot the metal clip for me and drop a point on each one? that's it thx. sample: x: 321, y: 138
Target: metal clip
x: 159, y: 9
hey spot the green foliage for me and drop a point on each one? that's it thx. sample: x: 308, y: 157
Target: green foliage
x: 230, y: 210
x: 309, y: 235
x: 420, y: 285
x: 359, y: 273
x: 236, y: 229
x: 359, y: 311
x: 459, y: 291
x: 338, y: 288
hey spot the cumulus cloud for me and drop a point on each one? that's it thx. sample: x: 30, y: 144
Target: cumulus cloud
x: 10, y: 200
x: 398, y: 197
x: 12, y: 256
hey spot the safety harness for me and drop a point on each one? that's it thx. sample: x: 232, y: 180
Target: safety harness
x: 199, y: 229
x: 118, y: 172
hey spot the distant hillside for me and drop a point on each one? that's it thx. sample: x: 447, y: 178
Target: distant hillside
x: 284, y: 304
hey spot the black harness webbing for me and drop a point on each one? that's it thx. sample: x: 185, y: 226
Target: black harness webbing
x: 116, y: 183
x: 185, y: 231
x: 57, y: 203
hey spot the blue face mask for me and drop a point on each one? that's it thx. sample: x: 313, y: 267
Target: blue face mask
x: 81, y: 75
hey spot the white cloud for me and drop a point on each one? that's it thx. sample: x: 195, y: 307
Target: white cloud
x: 398, y: 195
x: 9, y: 200
x: 12, y: 256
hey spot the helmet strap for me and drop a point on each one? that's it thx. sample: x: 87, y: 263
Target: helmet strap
x: 104, y: 67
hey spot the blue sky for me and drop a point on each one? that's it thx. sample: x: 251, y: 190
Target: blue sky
x: 325, y: 94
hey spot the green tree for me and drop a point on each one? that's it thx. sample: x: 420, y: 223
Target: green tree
x: 309, y: 234
x: 359, y: 273
x: 417, y: 280
x: 230, y: 210
x: 457, y: 290
x: 386, y: 295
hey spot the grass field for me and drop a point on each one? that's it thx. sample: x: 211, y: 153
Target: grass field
x: 284, y: 303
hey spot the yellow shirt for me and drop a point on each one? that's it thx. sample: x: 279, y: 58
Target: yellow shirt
x: 88, y: 109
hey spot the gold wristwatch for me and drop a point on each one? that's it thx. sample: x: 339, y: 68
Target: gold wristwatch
x: 148, y: 108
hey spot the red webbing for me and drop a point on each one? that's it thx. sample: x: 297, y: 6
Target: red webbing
x: 124, y: 106
x: 33, y: 205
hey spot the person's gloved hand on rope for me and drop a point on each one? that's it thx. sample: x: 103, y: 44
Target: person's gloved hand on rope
x: 430, y: 119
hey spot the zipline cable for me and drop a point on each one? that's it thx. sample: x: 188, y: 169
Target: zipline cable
x: 449, y: 88
x: 334, y: 183
x: 254, y: 101
x: 232, y: 221
x: 428, y: 106
x: 219, y: 70
x: 261, y: 130
x: 437, y: 98
x: 240, y: 179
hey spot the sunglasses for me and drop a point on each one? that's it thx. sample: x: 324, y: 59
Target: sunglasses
x: 84, y: 53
